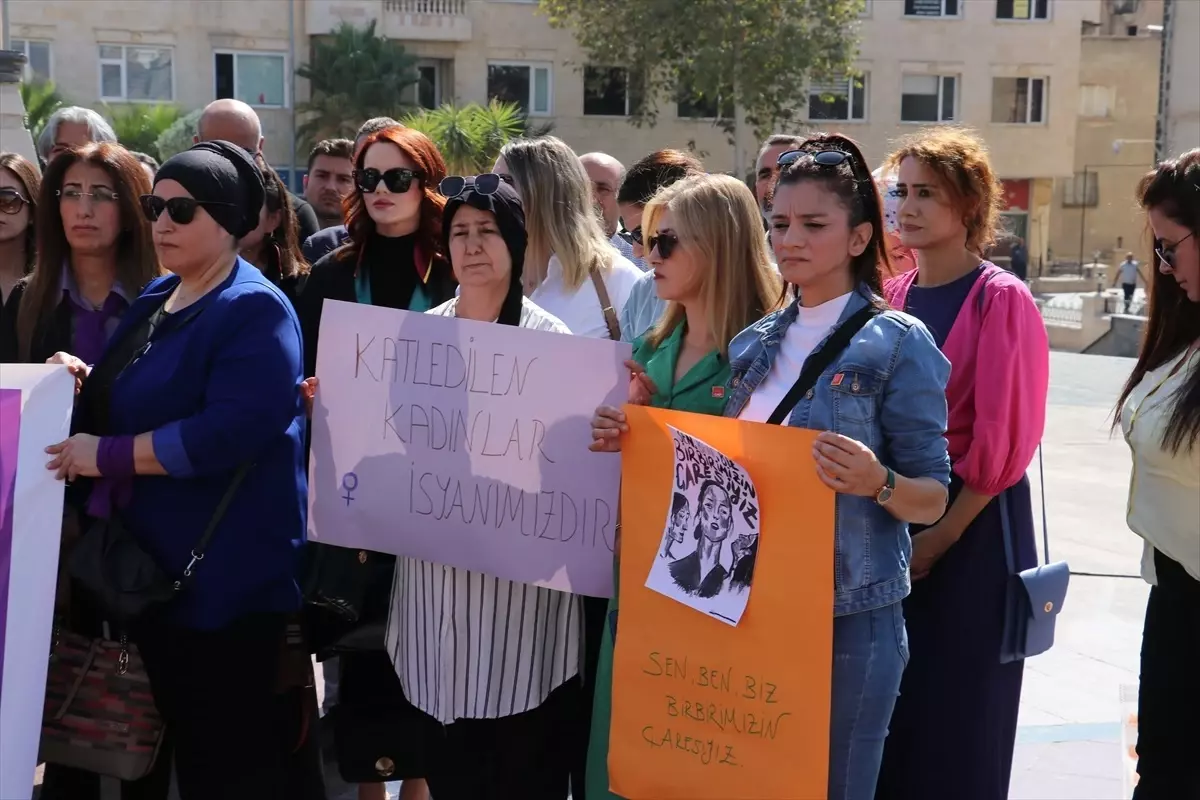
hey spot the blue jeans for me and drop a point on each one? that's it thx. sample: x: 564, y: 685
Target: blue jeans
x: 870, y: 651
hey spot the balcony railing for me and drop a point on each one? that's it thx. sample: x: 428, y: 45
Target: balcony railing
x: 453, y: 8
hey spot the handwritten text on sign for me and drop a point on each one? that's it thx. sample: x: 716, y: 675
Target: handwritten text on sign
x: 465, y: 443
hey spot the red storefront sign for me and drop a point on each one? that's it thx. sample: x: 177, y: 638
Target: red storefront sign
x: 1016, y: 194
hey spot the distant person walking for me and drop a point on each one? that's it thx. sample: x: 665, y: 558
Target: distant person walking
x: 1019, y: 260
x: 1128, y: 272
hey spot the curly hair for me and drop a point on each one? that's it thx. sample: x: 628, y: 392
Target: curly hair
x: 959, y: 157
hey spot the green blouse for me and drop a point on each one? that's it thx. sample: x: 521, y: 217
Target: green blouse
x: 700, y: 391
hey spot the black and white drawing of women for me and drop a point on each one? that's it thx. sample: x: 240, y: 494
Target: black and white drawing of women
x: 701, y: 573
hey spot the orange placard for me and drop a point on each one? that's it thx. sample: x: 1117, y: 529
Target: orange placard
x: 703, y: 710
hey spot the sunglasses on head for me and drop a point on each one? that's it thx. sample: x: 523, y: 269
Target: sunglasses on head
x: 487, y: 183
x: 1167, y: 254
x: 825, y: 158
x: 181, y: 210
x: 633, y: 237
x: 665, y: 242
x: 397, y: 180
x: 11, y: 201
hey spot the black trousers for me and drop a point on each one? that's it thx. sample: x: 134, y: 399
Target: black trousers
x: 1169, y: 697
x: 236, y: 736
x: 522, y: 757
x: 595, y: 611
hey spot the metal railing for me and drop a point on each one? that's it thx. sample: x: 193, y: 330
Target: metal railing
x: 455, y: 8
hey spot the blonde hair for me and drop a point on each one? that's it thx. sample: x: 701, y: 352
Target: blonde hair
x: 718, y: 222
x: 560, y: 215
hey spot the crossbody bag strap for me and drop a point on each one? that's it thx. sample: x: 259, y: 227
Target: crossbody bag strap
x: 819, y: 360
x: 197, y: 554
x: 1045, y: 523
x: 610, y: 314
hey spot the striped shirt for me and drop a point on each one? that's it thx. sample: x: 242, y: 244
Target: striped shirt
x: 626, y: 249
x: 472, y: 646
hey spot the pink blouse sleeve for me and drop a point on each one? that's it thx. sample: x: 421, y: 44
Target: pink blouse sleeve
x: 1012, y: 378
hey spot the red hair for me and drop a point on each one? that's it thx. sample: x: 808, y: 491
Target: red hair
x: 424, y: 153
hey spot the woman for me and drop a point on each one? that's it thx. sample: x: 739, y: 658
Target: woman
x: 395, y: 257
x: 572, y: 270
x: 20, y: 183
x: 201, y: 383
x: 711, y: 267
x: 880, y: 402
x: 94, y: 253
x: 491, y: 743
x: 1159, y: 414
x: 958, y: 702
x: 273, y: 246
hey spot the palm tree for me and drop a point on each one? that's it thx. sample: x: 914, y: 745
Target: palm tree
x: 354, y: 75
x: 41, y: 100
x: 138, y: 127
x: 470, y: 137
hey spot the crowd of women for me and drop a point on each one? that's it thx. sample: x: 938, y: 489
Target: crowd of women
x: 188, y: 314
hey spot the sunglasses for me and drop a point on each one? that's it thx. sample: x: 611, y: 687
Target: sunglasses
x: 1167, y: 254
x: 665, y: 242
x: 826, y: 158
x: 487, y: 183
x: 11, y: 201
x: 397, y: 180
x: 633, y: 237
x: 181, y: 210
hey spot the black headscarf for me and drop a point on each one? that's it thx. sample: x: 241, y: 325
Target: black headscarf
x: 223, y: 175
x: 506, y: 206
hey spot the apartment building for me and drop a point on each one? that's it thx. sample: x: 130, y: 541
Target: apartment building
x: 1009, y: 68
x: 1179, y: 122
x: 1095, y: 211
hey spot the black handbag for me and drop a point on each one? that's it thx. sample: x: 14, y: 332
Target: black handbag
x: 346, y: 596
x: 124, y: 578
x: 382, y: 742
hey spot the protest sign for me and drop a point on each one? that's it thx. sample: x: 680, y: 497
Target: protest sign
x: 35, y: 412
x: 466, y: 443
x: 703, y: 710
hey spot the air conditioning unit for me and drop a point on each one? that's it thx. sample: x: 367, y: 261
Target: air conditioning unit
x: 1124, y: 7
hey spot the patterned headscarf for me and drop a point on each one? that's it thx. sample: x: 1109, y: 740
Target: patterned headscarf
x: 891, y: 199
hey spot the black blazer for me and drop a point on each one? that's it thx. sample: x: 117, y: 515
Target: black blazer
x: 50, y: 336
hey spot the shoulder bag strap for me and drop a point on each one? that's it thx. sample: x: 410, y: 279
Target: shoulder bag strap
x: 197, y: 554
x: 819, y: 360
x: 610, y: 315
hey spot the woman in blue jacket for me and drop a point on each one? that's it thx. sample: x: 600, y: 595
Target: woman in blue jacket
x: 200, y: 380
x: 881, y: 407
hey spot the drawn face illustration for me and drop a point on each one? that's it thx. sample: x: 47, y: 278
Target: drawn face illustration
x: 679, y: 523
x: 716, y: 514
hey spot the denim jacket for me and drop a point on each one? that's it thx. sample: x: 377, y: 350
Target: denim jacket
x: 891, y: 396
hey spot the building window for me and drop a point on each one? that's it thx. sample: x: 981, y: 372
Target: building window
x: 1095, y: 101
x: 866, y: 9
x: 37, y: 58
x: 932, y: 8
x: 135, y: 73
x: 843, y: 98
x: 429, y: 87
x: 608, y: 92
x: 1020, y: 101
x: 1022, y: 9
x: 259, y: 79
x: 928, y: 98
x: 1081, y: 190
x: 527, y: 85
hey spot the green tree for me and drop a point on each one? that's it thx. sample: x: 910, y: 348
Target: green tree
x: 178, y: 137
x: 354, y: 75
x: 41, y: 99
x: 139, y: 127
x: 752, y: 54
x: 470, y: 137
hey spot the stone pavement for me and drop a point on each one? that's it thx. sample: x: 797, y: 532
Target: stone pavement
x: 1069, y: 743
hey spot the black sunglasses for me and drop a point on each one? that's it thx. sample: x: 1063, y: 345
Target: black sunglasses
x: 181, y: 210
x: 397, y: 180
x: 11, y: 201
x: 1167, y: 254
x: 665, y: 242
x: 826, y: 158
x: 487, y: 183
x: 633, y: 237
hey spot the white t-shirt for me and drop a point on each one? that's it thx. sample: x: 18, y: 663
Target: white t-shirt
x: 579, y: 309
x: 1129, y: 272
x: 812, y: 325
